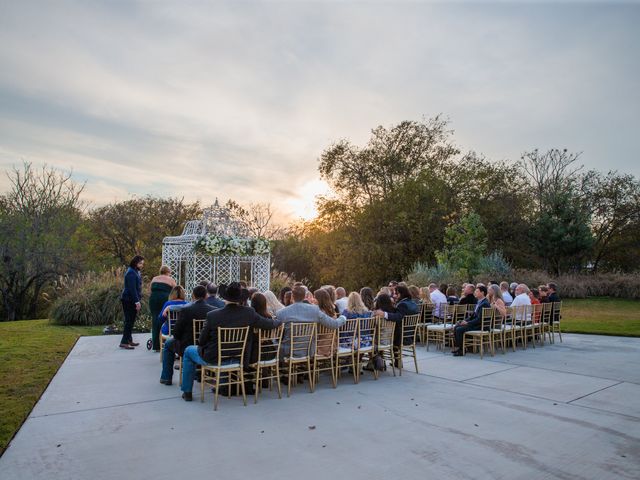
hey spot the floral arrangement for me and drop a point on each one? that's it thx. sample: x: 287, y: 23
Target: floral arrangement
x: 242, y: 247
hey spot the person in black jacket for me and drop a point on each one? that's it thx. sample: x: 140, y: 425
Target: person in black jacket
x: 131, y: 298
x: 553, y: 297
x: 234, y: 314
x: 468, y: 298
x: 183, y: 332
x: 405, y: 306
x: 472, y: 322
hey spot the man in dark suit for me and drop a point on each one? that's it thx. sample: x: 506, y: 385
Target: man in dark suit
x: 183, y: 332
x: 553, y: 297
x: 472, y: 322
x: 468, y: 298
x: 213, y: 299
x: 233, y: 315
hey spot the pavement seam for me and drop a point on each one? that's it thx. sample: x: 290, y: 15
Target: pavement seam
x: 597, y: 391
x: 102, y: 408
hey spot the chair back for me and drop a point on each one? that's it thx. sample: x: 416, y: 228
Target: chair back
x: 301, y: 339
x: 486, y: 319
x: 269, y: 343
x: 426, y: 312
x: 366, y: 332
x: 546, y: 312
x: 326, y: 342
x: 536, y: 312
x: 518, y: 315
x: 198, y: 325
x: 556, y: 310
x: 347, y: 334
x: 409, y: 328
x: 498, y: 320
x: 459, y: 313
x: 231, y: 344
x: 385, y: 332
x: 448, y: 312
x: 441, y: 310
x: 172, y: 318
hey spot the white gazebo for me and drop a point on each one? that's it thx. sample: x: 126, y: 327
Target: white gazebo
x: 217, y: 249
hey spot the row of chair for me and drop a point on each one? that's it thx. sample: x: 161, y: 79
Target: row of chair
x: 522, y: 324
x: 310, y: 350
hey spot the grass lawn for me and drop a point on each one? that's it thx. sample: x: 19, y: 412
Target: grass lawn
x: 31, y: 351
x: 602, y: 315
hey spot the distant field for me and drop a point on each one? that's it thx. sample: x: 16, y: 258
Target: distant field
x: 31, y: 351
x: 602, y: 315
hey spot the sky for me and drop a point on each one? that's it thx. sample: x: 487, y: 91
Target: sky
x: 238, y: 99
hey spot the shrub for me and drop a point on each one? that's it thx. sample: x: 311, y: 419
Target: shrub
x: 422, y: 275
x: 94, y: 299
x: 283, y: 279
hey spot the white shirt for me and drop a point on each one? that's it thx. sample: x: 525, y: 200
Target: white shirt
x: 438, y: 298
x: 522, y: 299
x: 341, y: 303
x: 507, y: 298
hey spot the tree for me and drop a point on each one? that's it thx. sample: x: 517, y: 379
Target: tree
x: 256, y: 219
x: 38, y: 217
x: 465, y: 245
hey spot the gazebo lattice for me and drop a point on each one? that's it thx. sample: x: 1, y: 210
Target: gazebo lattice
x: 191, y: 267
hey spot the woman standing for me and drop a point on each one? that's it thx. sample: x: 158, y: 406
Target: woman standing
x: 161, y: 286
x: 131, y: 297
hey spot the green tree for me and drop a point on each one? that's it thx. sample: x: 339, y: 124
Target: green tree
x: 465, y: 244
x: 38, y: 217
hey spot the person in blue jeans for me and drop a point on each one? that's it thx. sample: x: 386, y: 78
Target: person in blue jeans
x: 233, y: 315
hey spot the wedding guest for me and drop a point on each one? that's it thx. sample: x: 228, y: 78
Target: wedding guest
x: 438, y: 299
x: 341, y: 299
x: 472, y: 322
x: 512, y: 289
x: 233, y: 315
x: 131, y: 297
x: 332, y: 292
x: 282, y: 293
x: 521, y: 299
x: 534, y: 296
x: 425, y: 296
x: 260, y: 305
x: 177, y: 297
x: 161, y: 286
x: 544, y: 293
x: 468, y: 298
x: 288, y: 298
x: 355, y: 307
x: 183, y: 332
x: 415, y: 294
x: 405, y: 306
x: 505, y: 295
x: 452, y: 298
x: 495, y: 299
x: 323, y: 300
x: 273, y: 305
x: 554, y: 297
x: 366, y: 294
x: 212, y: 298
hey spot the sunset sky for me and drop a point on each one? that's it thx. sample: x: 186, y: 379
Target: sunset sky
x: 203, y: 99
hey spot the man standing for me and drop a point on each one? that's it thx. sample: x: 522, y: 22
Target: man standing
x: 233, y: 315
x: 473, y: 322
x: 131, y: 298
x: 183, y: 332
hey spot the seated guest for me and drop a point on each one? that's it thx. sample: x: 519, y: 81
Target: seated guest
x: 183, y: 332
x: 177, y: 298
x: 385, y: 291
x: 468, y: 297
x: 425, y: 296
x: 288, y: 298
x: 415, y: 294
x: 341, y: 299
x: 438, y: 299
x: 472, y: 322
x: 356, y: 307
x: 534, y: 296
x: 522, y: 298
x: 331, y: 290
x: 384, y: 303
x: 273, y: 305
x: 496, y: 301
x: 512, y: 289
x: 260, y: 305
x: 323, y: 300
x: 404, y: 306
x: 366, y: 294
x: 552, y: 298
x: 283, y: 291
x: 443, y: 288
x: 251, y: 291
x: 233, y: 315
x: 452, y: 298
x: 392, y: 289
x: 299, y: 312
x: 161, y: 286
x: 544, y: 293
x: 505, y: 295
x: 213, y: 299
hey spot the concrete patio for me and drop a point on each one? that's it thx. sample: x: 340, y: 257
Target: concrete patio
x: 567, y: 411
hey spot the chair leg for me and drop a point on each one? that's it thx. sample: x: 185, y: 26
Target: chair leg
x: 289, y: 379
x: 415, y: 358
x: 244, y: 393
x: 257, y: 387
x: 310, y: 372
x: 201, y: 385
x: 215, y: 395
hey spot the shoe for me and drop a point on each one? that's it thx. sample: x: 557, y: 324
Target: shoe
x: 166, y: 382
x: 458, y: 354
x: 187, y: 396
x: 126, y: 346
x: 134, y: 344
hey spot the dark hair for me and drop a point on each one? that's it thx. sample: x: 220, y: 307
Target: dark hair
x: 535, y: 293
x: 367, y: 297
x: 298, y: 294
x: 443, y: 287
x: 199, y: 292
x: 259, y: 304
x: 287, y: 298
x: 552, y: 286
x: 283, y: 290
x: 324, y: 302
x: 451, y: 292
x: 204, y: 283
x: 403, y: 292
x: 212, y: 289
x: 383, y: 302
x: 483, y: 289
x: 135, y: 261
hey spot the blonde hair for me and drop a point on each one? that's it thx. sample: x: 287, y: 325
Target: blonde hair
x: 273, y: 304
x: 177, y: 293
x: 414, y: 291
x: 425, y: 295
x: 355, y: 303
x: 494, y: 293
